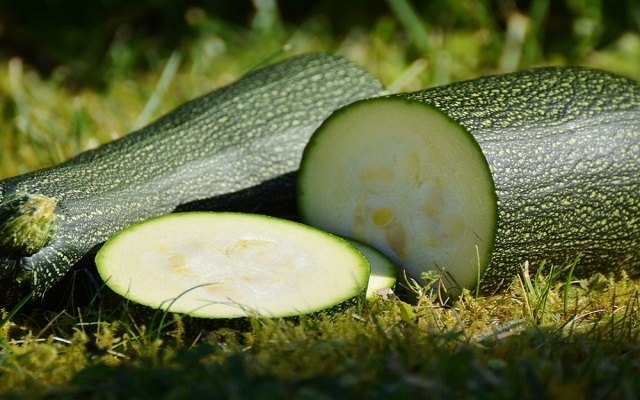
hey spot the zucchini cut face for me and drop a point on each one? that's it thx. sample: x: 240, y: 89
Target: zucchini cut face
x: 383, y: 271
x: 404, y: 178
x: 230, y: 265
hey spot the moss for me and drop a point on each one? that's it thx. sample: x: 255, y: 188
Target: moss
x: 488, y: 346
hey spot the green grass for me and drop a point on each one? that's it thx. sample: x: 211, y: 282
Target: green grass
x: 549, y: 336
x: 494, y: 347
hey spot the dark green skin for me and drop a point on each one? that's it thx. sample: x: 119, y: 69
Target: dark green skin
x: 563, y: 147
x: 231, y: 140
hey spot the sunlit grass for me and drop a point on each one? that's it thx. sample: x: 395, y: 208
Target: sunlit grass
x: 473, y: 346
x: 550, y: 335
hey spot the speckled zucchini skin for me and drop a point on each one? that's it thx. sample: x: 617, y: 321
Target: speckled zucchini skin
x: 563, y: 147
x: 229, y: 140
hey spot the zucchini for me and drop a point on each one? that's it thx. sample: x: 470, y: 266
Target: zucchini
x: 383, y: 271
x: 232, y: 265
x: 474, y: 178
x: 231, y: 141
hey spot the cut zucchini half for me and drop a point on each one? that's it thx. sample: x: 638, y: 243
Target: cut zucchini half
x: 477, y: 177
x: 383, y: 271
x: 230, y: 265
x: 405, y: 178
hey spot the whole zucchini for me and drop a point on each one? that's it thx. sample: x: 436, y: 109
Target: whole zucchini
x: 476, y: 177
x: 231, y: 140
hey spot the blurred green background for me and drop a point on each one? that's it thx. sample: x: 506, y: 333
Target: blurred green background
x: 75, y: 74
x: 94, y: 39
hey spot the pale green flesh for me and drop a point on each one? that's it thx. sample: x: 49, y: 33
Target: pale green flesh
x: 228, y: 265
x: 383, y: 271
x: 404, y: 178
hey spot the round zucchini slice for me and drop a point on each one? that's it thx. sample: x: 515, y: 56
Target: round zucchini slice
x: 383, y: 271
x: 230, y: 265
